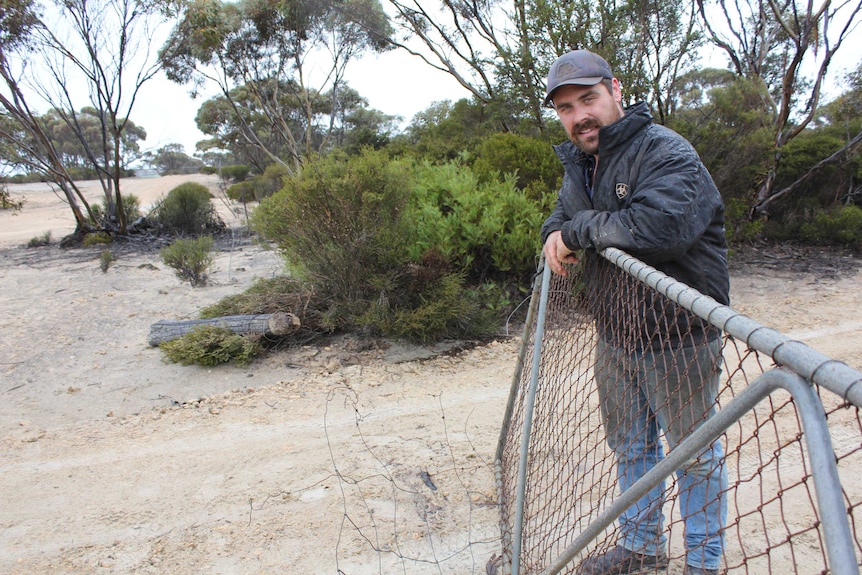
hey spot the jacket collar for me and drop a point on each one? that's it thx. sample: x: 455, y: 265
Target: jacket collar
x: 636, y: 118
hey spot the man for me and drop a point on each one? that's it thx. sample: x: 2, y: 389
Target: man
x: 640, y: 187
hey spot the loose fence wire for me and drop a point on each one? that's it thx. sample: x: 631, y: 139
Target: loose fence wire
x: 792, y: 508
x: 419, y: 502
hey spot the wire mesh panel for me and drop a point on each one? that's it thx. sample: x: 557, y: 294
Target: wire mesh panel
x: 625, y: 375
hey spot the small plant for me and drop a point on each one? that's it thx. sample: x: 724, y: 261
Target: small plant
x: 188, y: 209
x: 191, y: 259
x: 106, y: 259
x: 210, y: 345
x: 97, y: 238
x: 9, y: 203
x: 40, y: 241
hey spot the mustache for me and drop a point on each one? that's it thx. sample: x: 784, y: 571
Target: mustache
x: 588, y: 124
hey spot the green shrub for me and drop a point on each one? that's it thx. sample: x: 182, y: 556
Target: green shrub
x: 236, y: 173
x: 841, y: 225
x: 739, y: 227
x: 259, y: 187
x: 210, y: 345
x: 270, y: 181
x: 241, y: 192
x: 106, y: 260
x: 485, y: 229
x: 97, y: 239
x: 437, y: 310
x: 131, y: 211
x: 191, y: 259
x: 539, y: 173
x: 399, y: 248
x: 40, y: 241
x: 188, y: 209
x: 339, y: 223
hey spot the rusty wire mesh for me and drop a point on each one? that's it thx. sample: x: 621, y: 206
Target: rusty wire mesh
x: 773, y: 522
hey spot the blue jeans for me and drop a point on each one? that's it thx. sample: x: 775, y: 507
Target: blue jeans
x: 641, y: 394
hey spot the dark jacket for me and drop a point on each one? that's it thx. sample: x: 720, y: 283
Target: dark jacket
x: 652, y: 198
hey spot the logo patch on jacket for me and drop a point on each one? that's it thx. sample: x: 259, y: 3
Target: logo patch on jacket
x: 622, y: 190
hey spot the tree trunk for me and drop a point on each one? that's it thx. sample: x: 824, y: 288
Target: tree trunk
x: 273, y: 325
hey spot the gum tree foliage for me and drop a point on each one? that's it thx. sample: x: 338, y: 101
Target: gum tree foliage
x: 725, y: 119
x: 501, y: 51
x: 788, y: 45
x: 76, y: 142
x: 228, y: 119
x: 62, y: 54
x: 172, y: 159
x: 278, y: 64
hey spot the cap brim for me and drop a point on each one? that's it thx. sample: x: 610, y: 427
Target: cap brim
x: 588, y: 81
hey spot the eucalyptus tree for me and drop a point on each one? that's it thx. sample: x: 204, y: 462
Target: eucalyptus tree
x: 501, y: 51
x: 172, y: 159
x: 77, y: 141
x: 92, y: 55
x: 789, y: 45
x: 279, y: 59
x: 24, y: 141
x: 228, y: 120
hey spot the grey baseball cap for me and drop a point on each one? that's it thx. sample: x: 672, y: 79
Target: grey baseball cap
x: 579, y: 67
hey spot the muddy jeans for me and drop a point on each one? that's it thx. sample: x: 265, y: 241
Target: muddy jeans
x: 641, y: 394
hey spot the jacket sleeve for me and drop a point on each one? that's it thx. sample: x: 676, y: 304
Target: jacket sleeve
x: 570, y: 201
x: 555, y: 221
x: 672, y: 204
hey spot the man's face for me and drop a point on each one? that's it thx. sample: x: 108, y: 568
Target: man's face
x: 585, y: 109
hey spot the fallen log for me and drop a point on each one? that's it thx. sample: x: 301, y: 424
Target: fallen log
x: 277, y: 324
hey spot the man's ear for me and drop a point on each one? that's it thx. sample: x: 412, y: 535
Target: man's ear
x: 617, y: 90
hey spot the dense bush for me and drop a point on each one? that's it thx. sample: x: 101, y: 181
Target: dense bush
x: 235, y: 173
x: 739, y: 227
x: 402, y: 248
x: 533, y: 160
x: 486, y: 229
x: 340, y: 222
x: 841, y: 225
x: 191, y: 259
x: 188, y: 209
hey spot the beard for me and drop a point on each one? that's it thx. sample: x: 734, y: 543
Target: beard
x: 589, y: 144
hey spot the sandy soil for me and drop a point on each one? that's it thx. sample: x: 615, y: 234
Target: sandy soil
x: 345, y: 458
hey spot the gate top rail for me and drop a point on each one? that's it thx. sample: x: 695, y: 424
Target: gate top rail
x: 814, y: 366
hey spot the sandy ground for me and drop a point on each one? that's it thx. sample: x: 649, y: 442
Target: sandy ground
x: 343, y: 458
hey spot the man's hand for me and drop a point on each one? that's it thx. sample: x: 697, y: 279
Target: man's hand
x: 556, y: 254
